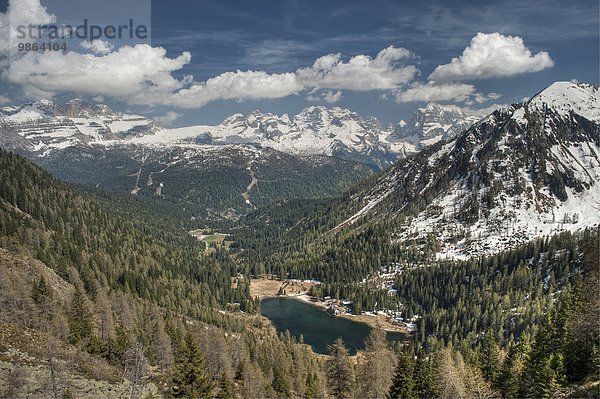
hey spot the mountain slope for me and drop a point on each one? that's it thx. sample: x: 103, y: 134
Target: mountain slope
x: 103, y: 245
x: 517, y: 174
x: 214, y: 182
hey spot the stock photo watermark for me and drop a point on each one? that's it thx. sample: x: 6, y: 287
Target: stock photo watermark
x: 55, y: 37
x: 82, y: 27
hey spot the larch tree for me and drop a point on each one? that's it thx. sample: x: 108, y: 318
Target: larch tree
x: 339, y: 370
x: 376, y: 371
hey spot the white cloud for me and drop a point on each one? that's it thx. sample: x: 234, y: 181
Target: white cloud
x: 19, y: 13
x: 168, y: 118
x: 435, y: 92
x: 492, y: 55
x: 97, y: 46
x: 140, y: 74
x: 361, y: 72
x: 331, y: 97
x: 481, y: 112
x: 480, y: 98
x: 239, y: 85
x: 143, y: 74
x: 484, y: 111
x: 4, y: 99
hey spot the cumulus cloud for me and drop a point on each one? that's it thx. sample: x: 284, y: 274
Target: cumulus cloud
x: 329, y: 96
x: 140, y: 74
x: 97, y: 46
x: 484, y: 111
x: 492, y: 55
x: 19, y: 13
x: 361, y: 72
x: 144, y: 75
x: 239, y: 85
x: 168, y: 118
x: 435, y: 92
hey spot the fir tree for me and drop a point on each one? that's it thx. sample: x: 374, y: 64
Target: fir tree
x: 80, y: 319
x: 404, y: 383
x: 226, y: 388
x: 490, y: 358
x: 189, y: 377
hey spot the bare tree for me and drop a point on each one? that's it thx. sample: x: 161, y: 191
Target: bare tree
x: 136, y: 365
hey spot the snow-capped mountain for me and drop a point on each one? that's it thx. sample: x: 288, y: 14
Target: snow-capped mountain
x: 333, y: 132
x: 528, y: 171
x: 431, y: 124
x: 43, y: 126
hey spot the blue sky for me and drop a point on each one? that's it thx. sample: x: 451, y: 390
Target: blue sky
x: 281, y: 37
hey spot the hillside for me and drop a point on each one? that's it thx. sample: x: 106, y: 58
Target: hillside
x: 529, y: 171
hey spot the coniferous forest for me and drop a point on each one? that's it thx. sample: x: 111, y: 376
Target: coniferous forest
x: 102, y: 289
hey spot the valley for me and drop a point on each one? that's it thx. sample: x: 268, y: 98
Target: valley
x: 478, y: 241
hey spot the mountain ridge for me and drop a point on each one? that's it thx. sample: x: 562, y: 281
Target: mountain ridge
x: 530, y: 170
x: 42, y: 127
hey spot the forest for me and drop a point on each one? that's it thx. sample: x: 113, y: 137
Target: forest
x: 99, y: 288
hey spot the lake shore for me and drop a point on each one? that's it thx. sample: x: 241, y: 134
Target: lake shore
x: 271, y: 288
x: 380, y: 321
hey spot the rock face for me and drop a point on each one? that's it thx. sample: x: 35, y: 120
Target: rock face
x: 43, y: 127
x: 432, y: 124
x: 528, y: 171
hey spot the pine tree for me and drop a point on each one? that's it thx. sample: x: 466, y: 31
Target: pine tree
x: 80, y: 319
x: 312, y: 389
x: 490, y: 358
x: 40, y: 291
x: 404, y: 383
x: 189, y: 377
x: 512, y: 369
x: 280, y: 384
x: 226, y: 388
x: 544, y: 371
x: 339, y: 370
x: 426, y: 377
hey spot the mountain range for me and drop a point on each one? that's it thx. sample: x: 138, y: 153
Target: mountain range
x: 220, y: 171
x: 43, y: 127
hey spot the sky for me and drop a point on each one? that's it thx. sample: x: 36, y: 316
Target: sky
x: 205, y: 60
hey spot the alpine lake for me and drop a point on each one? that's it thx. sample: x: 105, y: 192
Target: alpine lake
x: 317, y: 327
